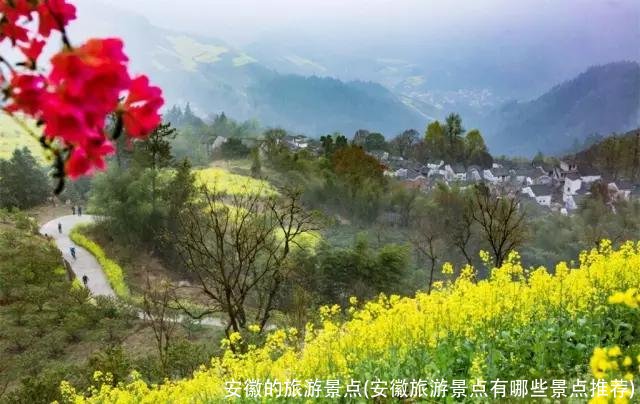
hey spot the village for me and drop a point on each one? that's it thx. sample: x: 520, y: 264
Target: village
x: 559, y: 188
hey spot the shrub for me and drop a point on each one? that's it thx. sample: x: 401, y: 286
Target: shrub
x: 112, y: 270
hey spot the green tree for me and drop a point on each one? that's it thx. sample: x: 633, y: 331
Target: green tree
x: 435, y: 142
x: 256, y: 165
x: 453, y: 131
x: 23, y: 183
x: 375, y: 141
x: 273, y: 142
x: 328, y: 145
x: 359, y: 271
x: 341, y: 141
x: 124, y: 198
x: 475, y: 150
x: 155, y: 153
x: 233, y: 148
x: 181, y: 188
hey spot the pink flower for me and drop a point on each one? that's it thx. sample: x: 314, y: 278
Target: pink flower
x: 84, y: 159
x: 54, y: 16
x: 32, y: 51
x: 27, y: 93
x: 141, y: 109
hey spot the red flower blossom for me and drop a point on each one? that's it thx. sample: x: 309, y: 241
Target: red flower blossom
x: 85, y: 84
x: 96, y: 72
x: 64, y: 120
x: 141, y: 108
x: 15, y: 9
x: 13, y: 31
x: 27, y: 92
x: 32, y: 51
x: 84, y: 159
x: 54, y: 16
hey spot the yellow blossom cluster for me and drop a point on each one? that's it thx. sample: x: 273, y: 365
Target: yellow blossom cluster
x: 610, y: 363
x: 395, y: 336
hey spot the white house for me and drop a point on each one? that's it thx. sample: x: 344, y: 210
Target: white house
x: 435, y: 166
x: 488, y: 175
x: 572, y: 184
x: 568, y: 166
x: 541, y: 194
x: 589, y: 175
x: 401, y: 173
x: 455, y: 173
x: 621, y: 190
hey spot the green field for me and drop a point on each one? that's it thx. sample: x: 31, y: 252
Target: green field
x: 13, y: 136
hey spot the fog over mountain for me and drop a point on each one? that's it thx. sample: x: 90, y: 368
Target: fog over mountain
x: 382, y: 65
x: 517, y: 49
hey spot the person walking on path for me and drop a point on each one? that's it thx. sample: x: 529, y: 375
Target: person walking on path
x: 79, y: 210
x: 73, y: 209
x: 59, y: 227
x: 85, y: 280
x: 73, y: 252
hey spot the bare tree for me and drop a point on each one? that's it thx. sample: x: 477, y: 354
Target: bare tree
x: 456, y: 210
x: 238, y: 246
x: 501, y: 220
x: 157, y: 300
x: 426, y: 239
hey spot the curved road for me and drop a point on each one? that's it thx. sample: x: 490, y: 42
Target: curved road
x: 85, y: 263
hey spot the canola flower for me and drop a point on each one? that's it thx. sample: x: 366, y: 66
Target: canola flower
x: 113, y: 271
x: 233, y: 184
x: 466, y: 329
x: 611, y: 364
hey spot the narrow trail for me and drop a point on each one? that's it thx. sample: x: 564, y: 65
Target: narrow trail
x: 86, y: 264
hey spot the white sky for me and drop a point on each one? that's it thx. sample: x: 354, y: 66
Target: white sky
x: 243, y: 21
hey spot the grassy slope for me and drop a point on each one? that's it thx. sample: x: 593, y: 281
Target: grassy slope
x: 12, y: 136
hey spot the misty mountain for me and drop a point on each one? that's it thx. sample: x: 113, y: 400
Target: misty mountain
x: 602, y: 100
x: 215, y: 77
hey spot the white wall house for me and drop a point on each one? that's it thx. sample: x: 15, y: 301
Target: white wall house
x: 588, y: 179
x: 540, y: 193
x: 435, y: 166
x: 568, y: 166
x: 488, y: 175
x: 572, y: 184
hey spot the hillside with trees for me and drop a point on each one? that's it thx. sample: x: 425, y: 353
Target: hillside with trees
x: 618, y: 156
x: 602, y: 100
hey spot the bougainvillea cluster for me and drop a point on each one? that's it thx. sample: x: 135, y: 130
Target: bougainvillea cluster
x: 83, y: 87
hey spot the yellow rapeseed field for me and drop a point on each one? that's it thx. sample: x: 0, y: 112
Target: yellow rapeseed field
x: 518, y: 324
x: 229, y: 183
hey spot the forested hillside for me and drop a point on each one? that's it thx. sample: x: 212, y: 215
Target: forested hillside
x: 215, y: 77
x: 602, y: 100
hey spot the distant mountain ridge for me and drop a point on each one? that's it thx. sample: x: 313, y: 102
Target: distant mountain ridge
x: 214, y: 77
x: 602, y: 100
x: 287, y: 90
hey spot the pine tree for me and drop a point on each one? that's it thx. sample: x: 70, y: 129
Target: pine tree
x: 23, y: 183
